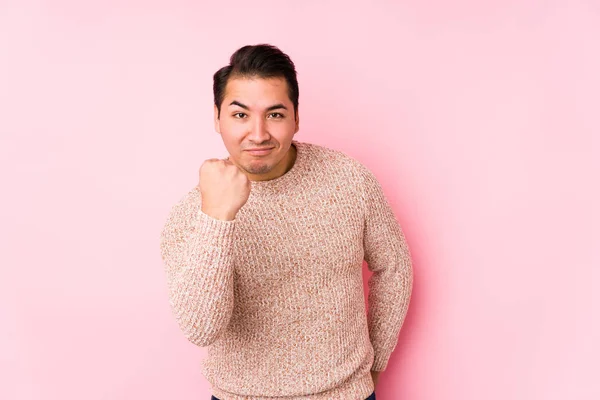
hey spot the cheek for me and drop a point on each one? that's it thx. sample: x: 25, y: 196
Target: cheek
x: 232, y: 130
x: 282, y: 129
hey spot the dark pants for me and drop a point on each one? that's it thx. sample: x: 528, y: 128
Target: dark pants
x: 371, y: 397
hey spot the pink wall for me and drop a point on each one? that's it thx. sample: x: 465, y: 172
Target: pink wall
x: 481, y: 121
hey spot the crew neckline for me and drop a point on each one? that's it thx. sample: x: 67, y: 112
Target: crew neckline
x: 289, y: 176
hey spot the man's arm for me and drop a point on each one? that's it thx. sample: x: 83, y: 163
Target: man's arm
x: 197, y: 251
x: 388, y: 257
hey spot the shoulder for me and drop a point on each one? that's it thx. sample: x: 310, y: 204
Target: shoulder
x: 183, y: 210
x: 337, y: 162
x: 191, y: 198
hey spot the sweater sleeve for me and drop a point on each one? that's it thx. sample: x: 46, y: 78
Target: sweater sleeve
x: 388, y: 257
x: 197, y: 251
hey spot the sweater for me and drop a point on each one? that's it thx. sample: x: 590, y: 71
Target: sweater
x: 276, y: 295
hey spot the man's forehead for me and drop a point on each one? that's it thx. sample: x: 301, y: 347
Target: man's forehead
x: 253, y: 84
x: 255, y: 79
x: 256, y: 92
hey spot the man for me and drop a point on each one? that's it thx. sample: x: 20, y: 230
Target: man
x: 264, y: 256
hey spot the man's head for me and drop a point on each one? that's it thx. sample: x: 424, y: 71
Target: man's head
x: 256, y: 107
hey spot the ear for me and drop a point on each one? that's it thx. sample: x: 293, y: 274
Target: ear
x: 297, y: 120
x: 217, y: 121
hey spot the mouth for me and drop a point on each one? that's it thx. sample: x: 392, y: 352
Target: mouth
x: 259, y: 151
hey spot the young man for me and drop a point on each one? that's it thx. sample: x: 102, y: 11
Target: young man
x: 264, y: 256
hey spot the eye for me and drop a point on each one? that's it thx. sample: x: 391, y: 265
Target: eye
x: 276, y: 115
x: 239, y: 115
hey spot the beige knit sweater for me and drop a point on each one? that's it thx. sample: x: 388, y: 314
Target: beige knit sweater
x: 277, y: 293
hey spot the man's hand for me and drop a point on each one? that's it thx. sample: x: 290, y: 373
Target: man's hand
x: 224, y: 188
x: 375, y: 376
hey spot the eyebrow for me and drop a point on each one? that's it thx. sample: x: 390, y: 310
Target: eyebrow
x: 245, y: 107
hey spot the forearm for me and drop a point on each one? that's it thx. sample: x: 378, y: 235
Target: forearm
x: 389, y: 296
x: 198, y: 254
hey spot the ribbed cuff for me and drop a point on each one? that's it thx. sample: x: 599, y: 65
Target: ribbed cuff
x: 215, y: 228
x: 380, y: 362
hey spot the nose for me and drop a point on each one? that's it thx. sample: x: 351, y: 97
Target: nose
x: 259, y: 132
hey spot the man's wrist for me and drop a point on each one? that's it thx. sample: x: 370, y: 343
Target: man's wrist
x: 218, y: 214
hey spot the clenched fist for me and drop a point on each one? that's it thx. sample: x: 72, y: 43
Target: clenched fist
x: 224, y: 188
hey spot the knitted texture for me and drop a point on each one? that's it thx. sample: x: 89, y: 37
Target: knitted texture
x: 277, y: 296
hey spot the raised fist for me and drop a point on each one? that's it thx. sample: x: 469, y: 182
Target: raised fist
x: 224, y: 188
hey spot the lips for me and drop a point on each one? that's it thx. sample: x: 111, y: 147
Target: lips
x: 260, y: 151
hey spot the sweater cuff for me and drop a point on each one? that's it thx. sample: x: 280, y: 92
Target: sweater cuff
x: 380, y: 362
x: 214, y: 231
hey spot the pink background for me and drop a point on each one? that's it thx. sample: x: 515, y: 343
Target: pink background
x: 481, y: 120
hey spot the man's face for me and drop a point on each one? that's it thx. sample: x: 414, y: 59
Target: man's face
x: 257, y: 113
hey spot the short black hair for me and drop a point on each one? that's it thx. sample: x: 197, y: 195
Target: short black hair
x: 261, y: 60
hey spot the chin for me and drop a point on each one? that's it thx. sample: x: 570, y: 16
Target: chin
x: 258, y: 169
